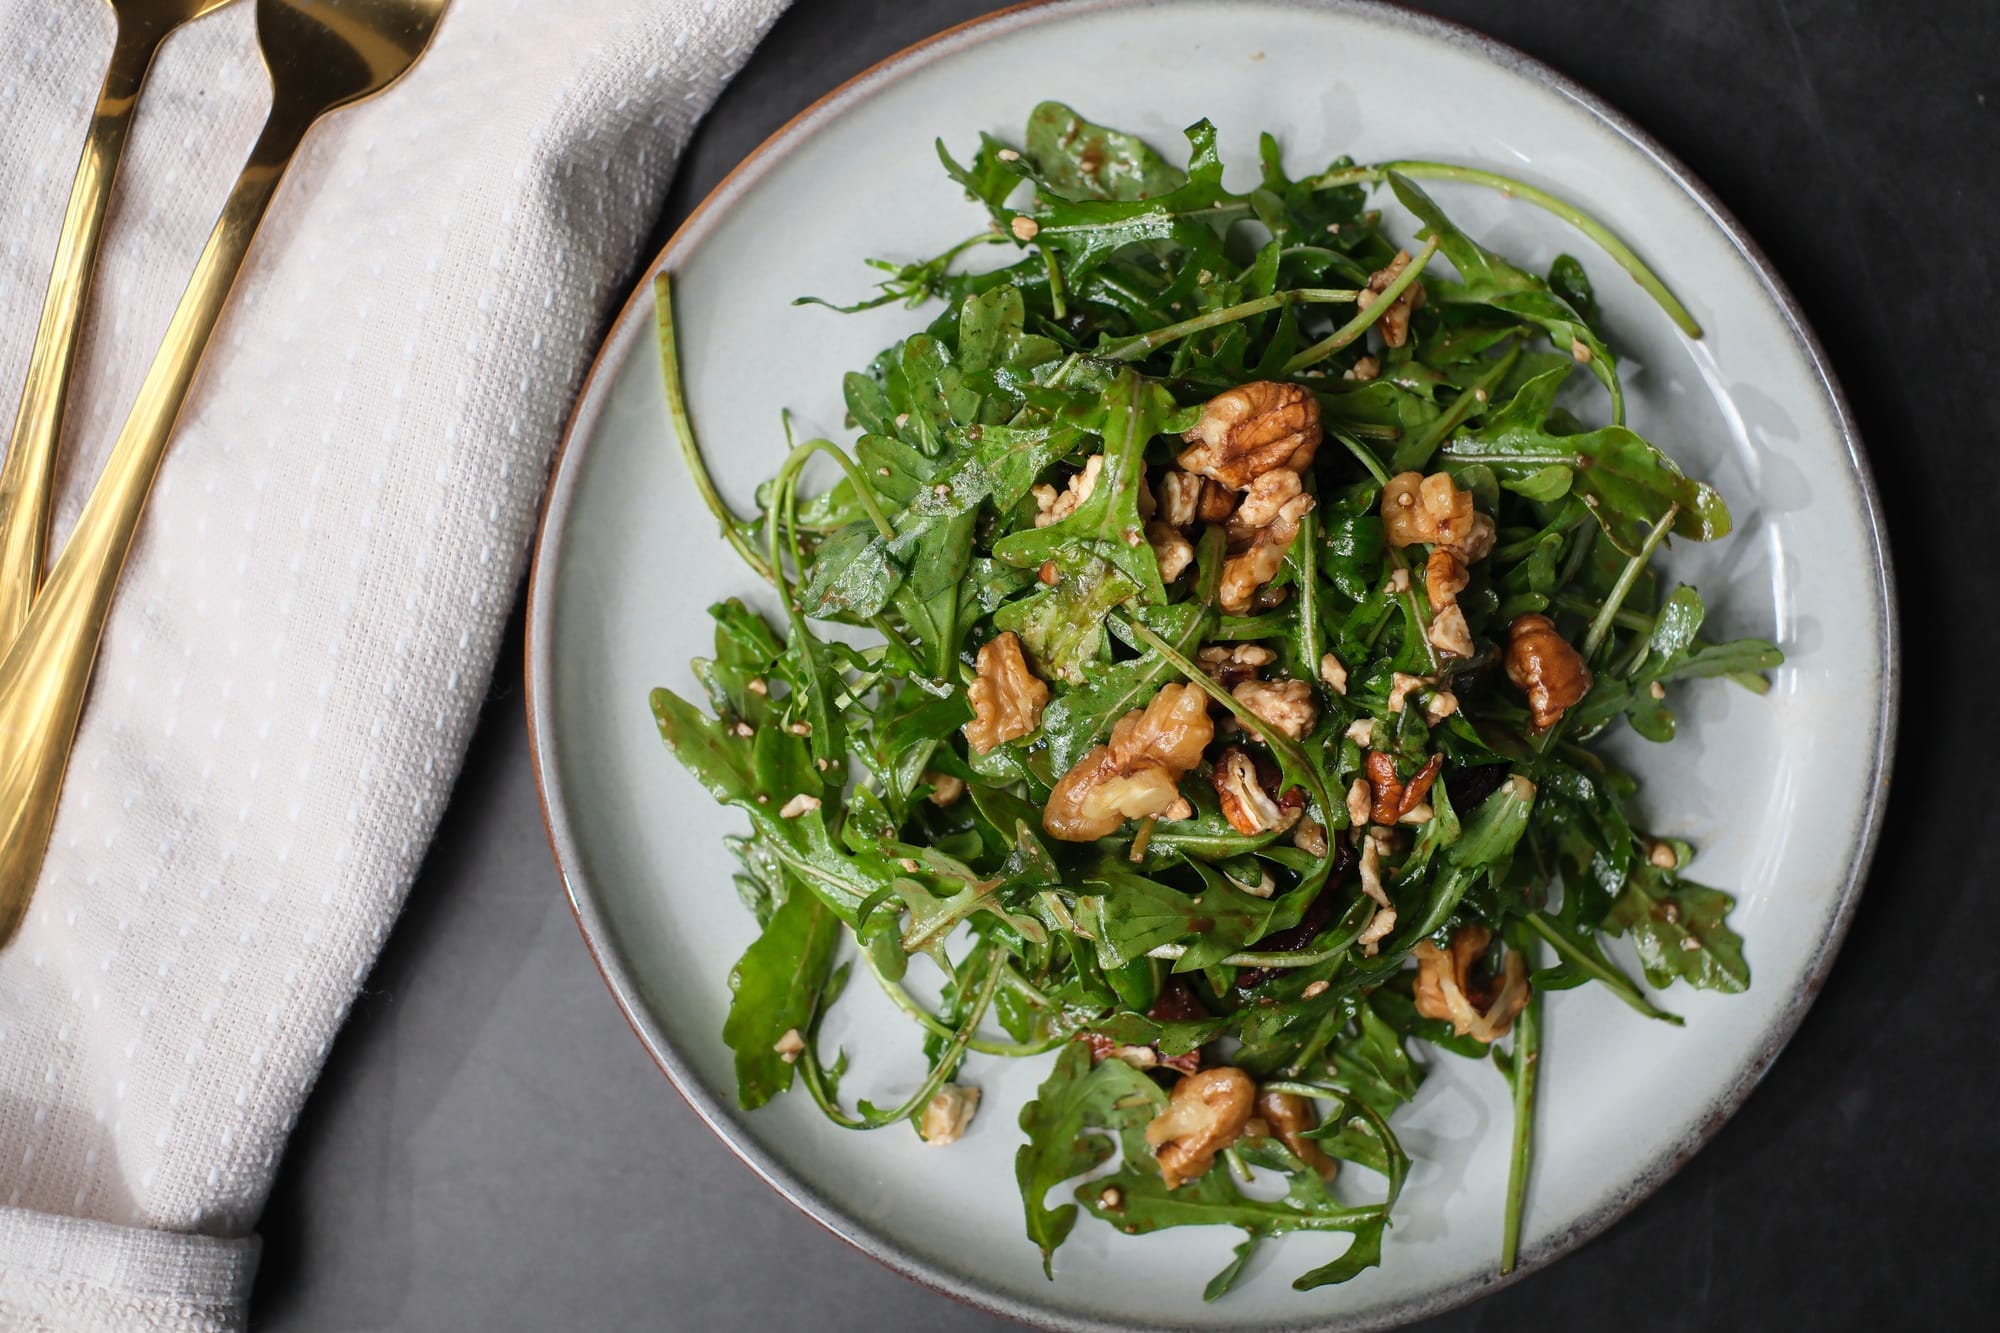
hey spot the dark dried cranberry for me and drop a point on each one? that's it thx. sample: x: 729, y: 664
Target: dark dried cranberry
x: 1317, y: 916
x: 1470, y: 786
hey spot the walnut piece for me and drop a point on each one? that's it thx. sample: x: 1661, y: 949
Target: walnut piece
x: 1245, y: 573
x: 1390, y: 798
x: 1137, y: 774
x: 1007, y: 698
x: 1445, y: 577
x: 947, y: 1114
x: 1449, y: 633
x: 1179, y: 497
x: 1207, y: 1113
x: 1173, y: 551
x: 1544, y: 667
x: 1286, y: 705
x: 1247, y: 801
x: 1395, y: 321
x: 1448, y: 989
x: 1432, y: 509
x: 1251, y: 430
x: 945, y: 789
x: 1333, y: 673
x: 1262, y: 502
x: 1289, y: 1117
x: 1055, y: 506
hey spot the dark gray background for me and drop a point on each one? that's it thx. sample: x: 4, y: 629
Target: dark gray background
x: 490, y: 1148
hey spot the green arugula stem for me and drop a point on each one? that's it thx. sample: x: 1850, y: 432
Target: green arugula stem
x: 1601, y: 626
x: 1527, y: 1054
x: 931, y: 1023
x: 1606, y: 239
x: 677, y: 410
x: 1136, y: 348
x: 1364, y: 456
x: 815, y: 1076
x: 1173, y: 952
x: 1365, y: 320
x: 1609, y: 977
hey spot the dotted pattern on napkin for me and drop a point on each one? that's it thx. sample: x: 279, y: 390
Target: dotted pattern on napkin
x: 309, y: 618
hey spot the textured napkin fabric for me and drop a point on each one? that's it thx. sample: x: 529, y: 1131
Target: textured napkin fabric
x: 309, y: 620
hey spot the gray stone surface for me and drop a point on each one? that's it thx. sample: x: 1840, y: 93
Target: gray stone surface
x: 490, y: 1148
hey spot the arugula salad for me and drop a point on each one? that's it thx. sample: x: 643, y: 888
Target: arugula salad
x: 1244, y: 587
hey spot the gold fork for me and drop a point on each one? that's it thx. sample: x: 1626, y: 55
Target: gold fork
x: 321, y: 55
x: 26, y: 480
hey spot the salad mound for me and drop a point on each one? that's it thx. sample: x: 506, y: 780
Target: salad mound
x: 1246, y: 588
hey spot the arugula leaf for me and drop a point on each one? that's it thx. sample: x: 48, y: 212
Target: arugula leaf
x: 774, y: 990
x: 1628, y: 484
x: 1680, y: 929
x: 1073, y: 1100
x: 1487, y: 279
x: 1082, y: 160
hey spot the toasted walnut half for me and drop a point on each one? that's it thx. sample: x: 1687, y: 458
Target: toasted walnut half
x: 1395, y: 321
x: 1447, y: 987
x: 1286, y: 705
x: 1432, y: 509
x: 1290, y: 1116
x: 1137, y: 774
x: 1252, y: 429
x: 947, y: 1114
x: 1007, y: 698
x: 1544, y: 667
x: 1206, y: 1114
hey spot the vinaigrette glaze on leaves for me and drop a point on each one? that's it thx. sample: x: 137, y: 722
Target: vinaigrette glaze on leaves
x: 1186, y: 446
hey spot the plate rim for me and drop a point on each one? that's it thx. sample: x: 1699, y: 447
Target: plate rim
x: 539, y: 704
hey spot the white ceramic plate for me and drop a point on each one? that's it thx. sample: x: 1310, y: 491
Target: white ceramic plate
x: 1781, y: 794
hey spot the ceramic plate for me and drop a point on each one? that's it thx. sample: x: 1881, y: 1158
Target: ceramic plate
x: 1781, y: 794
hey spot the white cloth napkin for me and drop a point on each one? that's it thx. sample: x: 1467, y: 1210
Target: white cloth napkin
x: 308, y: 623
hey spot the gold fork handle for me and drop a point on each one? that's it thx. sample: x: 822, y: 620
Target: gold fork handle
x: 45, y: 674
x: 29, y: 474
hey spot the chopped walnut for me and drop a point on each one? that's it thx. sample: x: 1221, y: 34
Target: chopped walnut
x: 1207, y: 1113
x: 1395, y: 321
x: 1445, y: 577
x: 1218, y: 502
x: 1401, y: 683
x: 1007, y: 698
x: 1286, y: 705
x: 800, y: 804
x: 1333, y: 673
x: 1448, y: 989
x: 1245, y: 573
x: 945, y: 789
x: 790, y: 1046
x: 1247, y: 801
x: 1661, y: 856
x: 1432, y: 509
x: 1360, y: 800
x: 1383, y: 920
x: 1173, y: 551
x: 1364, y: 369
x: 1390, y: 798
x: 1252, y: 429
x: 1055, y: 506
x: 1449, y: 633
x: 947, y: 1114
x: 1544, y: 667
x: 1310, y: 837
x: 1263, y: 501
x: 1439, y: 705
x: 1179, y: 497
x: 1233, y: 663
x: 1136, y: 775
x: 1290, y: 1116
